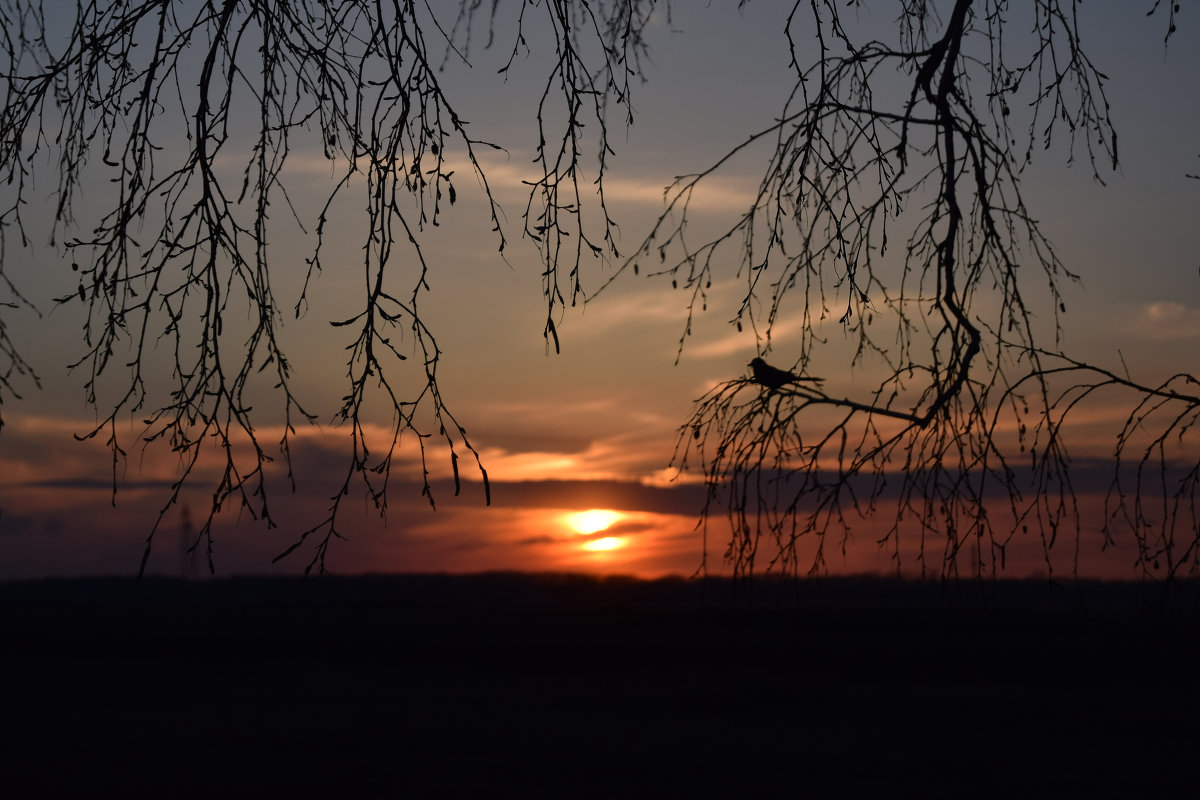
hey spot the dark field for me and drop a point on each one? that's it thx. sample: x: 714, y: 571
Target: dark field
x: 571, y: 687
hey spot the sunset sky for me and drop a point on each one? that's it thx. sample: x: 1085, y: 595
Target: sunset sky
x: 593, y: 428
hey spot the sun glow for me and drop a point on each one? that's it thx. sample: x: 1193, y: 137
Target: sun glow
x: 605, y: 543
x: 593, y: 521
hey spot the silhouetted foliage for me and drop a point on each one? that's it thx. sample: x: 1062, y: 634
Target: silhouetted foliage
x: 857, y: 166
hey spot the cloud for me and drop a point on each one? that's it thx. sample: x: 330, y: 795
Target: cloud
x: 667, y: 477
x: 625, y: 456
x: 511, y: 179
x: 714, y: 194
x: 535, y: 540
x: 550, y: 424
x: 1166, y: 320
x: 58, y: 517
x: 42, y: 453
x: 645, y: 305
x: 744, y: 341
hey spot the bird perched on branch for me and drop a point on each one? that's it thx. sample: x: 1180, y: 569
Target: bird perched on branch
x: 774, y: 377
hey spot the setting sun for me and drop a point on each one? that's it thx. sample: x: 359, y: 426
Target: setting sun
x: 606, y: 543
x: 592, y: 521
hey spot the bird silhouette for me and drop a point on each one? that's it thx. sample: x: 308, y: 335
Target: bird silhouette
x: 774, y: 377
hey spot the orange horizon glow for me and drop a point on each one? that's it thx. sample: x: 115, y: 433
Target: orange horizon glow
x: 60, y: 520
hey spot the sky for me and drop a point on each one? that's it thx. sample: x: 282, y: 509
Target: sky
x: 593, y: 428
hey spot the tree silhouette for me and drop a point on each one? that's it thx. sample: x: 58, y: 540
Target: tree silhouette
x: 961, y: 359
x: 920, y: 140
